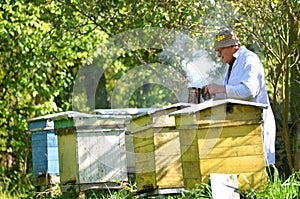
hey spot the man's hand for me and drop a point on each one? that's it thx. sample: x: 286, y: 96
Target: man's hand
x: 214, y: 88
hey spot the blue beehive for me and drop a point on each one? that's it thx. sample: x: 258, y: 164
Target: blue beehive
x: 44, y: 146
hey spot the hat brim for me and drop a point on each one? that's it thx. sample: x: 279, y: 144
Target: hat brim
x: 225, y: 43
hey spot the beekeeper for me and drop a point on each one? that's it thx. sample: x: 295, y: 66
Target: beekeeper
x: 245, y: 80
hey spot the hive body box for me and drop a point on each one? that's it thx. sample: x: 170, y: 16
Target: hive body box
x: 91, y: 150
x: 44, y: 151
x: 157, y: 150
x: 127, y: 114
x: 222, y: 136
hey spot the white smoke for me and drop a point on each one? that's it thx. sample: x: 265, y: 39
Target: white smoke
x: 195, y: 61
x: 198, y: 68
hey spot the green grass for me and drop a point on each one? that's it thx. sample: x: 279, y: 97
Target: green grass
x: 278, y: 187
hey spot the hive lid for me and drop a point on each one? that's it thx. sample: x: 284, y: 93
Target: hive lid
x: 45, y: 122
x: 213, y: 103
x: 61, y: 115
x: 122, y: 111
x: 54, y: 115
x: 154, y: 110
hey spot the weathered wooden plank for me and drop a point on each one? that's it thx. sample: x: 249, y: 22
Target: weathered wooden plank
x: 191, y: 182
x: 190, y: 153
x: 218, y: 142
x: 229, y: 142
x: 144, y: 147
x: 163, y: 121
x: 145, y: 162
x: 235, y: 151
x: 145, y: 178
x: 139, y: 122
x: 143, y: 141
x: 232, y: 164
x: 67, y: 155
x: 218, y: 115
x: 146, y: 133
x: 191, y: 169
x: 130, y: 157
x: 187, y: 136
x: 167, y: 162
x: 170, y: 180
x: 169, y: 172
x: 250, y: 130
x: 218, y: 124
x: 229, y: 131
x: 167, y: 143
x: 183, y: 121
x: 237, y: 113
x: 101, y: 157
x: 163, y: 114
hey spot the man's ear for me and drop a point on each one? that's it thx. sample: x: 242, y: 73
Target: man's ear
x: 235, y: 48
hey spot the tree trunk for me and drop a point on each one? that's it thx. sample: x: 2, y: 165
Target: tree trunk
x: 286, y: 132
x: 295, y: 113
x: 293, y: 62
x: 101, y: 98
x: 297, y: 149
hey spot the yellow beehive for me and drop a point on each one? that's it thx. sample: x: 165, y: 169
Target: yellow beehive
x: 157, y: 149
x: 222, y: 136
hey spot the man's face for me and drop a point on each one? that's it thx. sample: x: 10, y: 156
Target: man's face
x: 226, y: 53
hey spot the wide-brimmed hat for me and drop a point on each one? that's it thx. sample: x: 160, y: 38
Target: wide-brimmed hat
x: 226, y: 38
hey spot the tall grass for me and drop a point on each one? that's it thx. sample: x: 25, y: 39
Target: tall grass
x: 278, y: 187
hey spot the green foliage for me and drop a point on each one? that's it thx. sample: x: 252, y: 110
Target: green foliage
x: 38, y: 63
x: 278, y: 187
x: 45, y: 43
x: 201, y: 191
x: 273, y: 29
x: 198, y: 19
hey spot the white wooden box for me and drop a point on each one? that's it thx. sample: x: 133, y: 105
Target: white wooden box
x: 91, y: 150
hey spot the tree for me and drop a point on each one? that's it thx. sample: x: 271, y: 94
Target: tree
x: 39, y: 60
x: 197, y: 19
x: 274, y: 29
x: 44, y: 44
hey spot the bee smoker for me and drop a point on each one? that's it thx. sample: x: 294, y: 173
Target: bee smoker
x: 197, y: 95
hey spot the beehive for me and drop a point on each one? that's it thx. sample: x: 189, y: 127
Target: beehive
x: 157, y: 149
x: 91, y: 150
x: 44, y: 151
x: 222, y: 136
x: 127, y: 113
